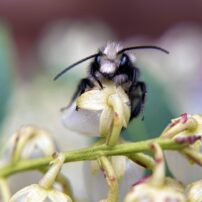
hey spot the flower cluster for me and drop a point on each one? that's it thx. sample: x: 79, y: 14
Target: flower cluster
x: 44, y: 191
x: 33, y: 148
x: 31, y: 142
x: 156, y: 187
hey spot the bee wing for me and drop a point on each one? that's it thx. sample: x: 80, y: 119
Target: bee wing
x: 81, y: 121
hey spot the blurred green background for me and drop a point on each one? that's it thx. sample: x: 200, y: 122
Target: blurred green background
x: 40, y: 38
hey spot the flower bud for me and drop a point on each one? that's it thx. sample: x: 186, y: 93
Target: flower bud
x: 186, y: 129
x: 171, y: 191
x: 29, y: 142
x: 194, y: 192
x: 184, y: 126
x: 35, y: 193
x: 157, y: 187
x: 44, y: 191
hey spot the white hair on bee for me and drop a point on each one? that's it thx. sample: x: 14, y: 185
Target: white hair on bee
x: 111, y: 50
x: 108, y: 67
x: 111, y: 57
x: 108, y: 62
x: 132, y: 57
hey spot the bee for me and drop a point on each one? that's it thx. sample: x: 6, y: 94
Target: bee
x: 117, y: 64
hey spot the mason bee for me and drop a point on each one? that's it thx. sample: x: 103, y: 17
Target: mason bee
x: 117, y: 64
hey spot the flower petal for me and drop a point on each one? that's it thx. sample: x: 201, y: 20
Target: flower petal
x: 106, y: 119
x: 83, y: 121
x: 126, y: 117
x: 92, y: 100
x: 31, y: 193
x: 116, y: 103
x: 122, y: 94
x: 58, y: 196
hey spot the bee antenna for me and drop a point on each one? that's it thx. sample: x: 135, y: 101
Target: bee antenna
x: 144, y: 47
x: 74, y: 64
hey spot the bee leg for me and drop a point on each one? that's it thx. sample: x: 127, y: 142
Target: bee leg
x: 140, y: 97
x: 99, y: 82
x: 83, y: 84
x: 92, y: 72
x: 133, y: 75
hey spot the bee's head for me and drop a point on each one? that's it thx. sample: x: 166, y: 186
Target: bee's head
x: 109, y: 60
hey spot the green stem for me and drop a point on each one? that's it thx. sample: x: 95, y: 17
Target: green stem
x: 111, y: 179
x: 142, y: 159
x: 4, y: 190
x: 49, y: 178
x: 158, y: 177
x: 90, y: 153
x: 20, y: 142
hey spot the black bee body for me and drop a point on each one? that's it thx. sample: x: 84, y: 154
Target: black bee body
x: 114, y: 63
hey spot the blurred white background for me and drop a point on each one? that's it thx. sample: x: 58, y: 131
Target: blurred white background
x: 40, y: 38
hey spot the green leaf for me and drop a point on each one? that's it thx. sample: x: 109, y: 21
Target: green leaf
x: 5, y: 70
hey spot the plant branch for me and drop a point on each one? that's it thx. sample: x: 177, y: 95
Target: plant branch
x: 90, y: 153
x: 111, y: 179
x: 4, y: 190
x: 142, y: 159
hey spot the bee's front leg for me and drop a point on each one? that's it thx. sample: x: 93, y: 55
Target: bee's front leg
x: 83, y: 84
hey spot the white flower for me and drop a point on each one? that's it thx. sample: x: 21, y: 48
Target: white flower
x: 171, y: 191
x: 157, y: 187
x: 44, y: 191
x: 188, y: 129
x: 110, y: 106
x: 83, y: 121
x: 194, y: 192
x: 35, y: 193
x: 29, y: 142
x: 113, y: 103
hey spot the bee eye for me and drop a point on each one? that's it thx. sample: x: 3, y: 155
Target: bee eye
x: 97, y: 59
x: 124, y: 60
